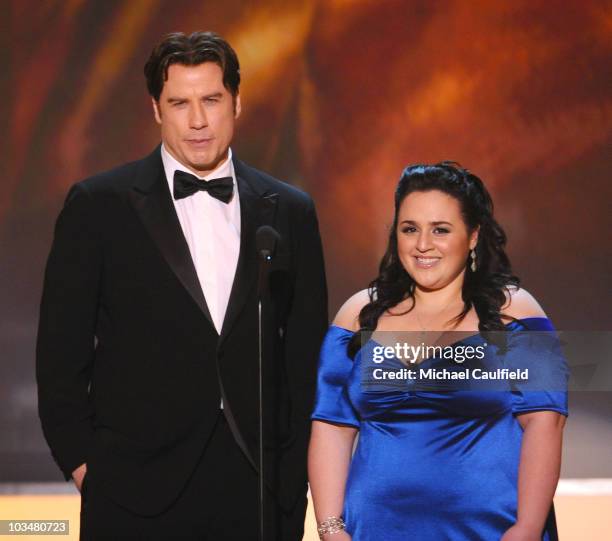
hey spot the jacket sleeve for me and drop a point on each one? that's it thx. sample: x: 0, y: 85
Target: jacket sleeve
x: 306, y: 326
x: 66, y: 332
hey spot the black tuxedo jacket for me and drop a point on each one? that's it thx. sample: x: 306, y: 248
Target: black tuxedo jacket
x: 130, y: 368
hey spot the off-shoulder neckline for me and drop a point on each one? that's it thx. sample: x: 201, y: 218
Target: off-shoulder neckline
x: 507, y: 324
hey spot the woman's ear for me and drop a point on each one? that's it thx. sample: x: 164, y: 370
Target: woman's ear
x: 474, y: 237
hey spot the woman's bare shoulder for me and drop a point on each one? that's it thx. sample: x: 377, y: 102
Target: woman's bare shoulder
x: 348, y: 315
x: 521, y: 304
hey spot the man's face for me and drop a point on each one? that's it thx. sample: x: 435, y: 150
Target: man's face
x: 197, y: 116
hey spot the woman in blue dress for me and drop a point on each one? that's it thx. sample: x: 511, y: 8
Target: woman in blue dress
x: 435, y: 465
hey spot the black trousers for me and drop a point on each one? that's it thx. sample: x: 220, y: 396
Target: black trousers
x: 220, y: 503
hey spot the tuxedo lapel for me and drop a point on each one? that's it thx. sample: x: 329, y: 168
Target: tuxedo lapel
x: 257, y: 208
x: 151, y: 199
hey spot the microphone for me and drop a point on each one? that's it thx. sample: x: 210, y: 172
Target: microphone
x: 265, y: 241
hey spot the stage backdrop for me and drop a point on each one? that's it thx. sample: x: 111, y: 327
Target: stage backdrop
x: 338, y: 96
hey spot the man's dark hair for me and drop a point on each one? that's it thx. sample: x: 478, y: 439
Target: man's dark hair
x: 191, y: 50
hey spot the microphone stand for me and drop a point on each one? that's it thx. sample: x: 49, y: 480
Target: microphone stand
x: 266, y: 240
x: 262, y: 289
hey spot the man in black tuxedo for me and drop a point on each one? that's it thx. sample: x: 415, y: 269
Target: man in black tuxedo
x: 147, y: 354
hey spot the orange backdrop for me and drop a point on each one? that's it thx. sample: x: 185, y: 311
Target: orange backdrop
x: 338, y: 96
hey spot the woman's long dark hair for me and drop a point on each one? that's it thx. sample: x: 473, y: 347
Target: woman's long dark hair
x: 483, y: 289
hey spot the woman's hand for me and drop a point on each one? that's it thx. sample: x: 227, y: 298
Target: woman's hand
x: 519, y: 532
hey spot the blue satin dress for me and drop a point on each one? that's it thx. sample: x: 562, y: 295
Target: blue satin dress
x: 429, y: 466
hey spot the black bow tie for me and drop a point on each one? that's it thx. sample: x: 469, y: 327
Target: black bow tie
x: 186, y: 184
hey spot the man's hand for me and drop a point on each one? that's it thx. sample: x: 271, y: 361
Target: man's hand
x: 78, y: 475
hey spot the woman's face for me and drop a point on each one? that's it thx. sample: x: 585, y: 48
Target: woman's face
x: 433, y: 241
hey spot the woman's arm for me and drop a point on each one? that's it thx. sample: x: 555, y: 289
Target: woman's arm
x: 539, y: 467
x: 331, y: 444
x: 540, y: 459
x: 329, y: 456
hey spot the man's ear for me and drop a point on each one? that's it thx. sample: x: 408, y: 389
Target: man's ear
x: 237, y: 106
x: 156, y: 111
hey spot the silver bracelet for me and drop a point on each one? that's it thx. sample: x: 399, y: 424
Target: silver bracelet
x: 330, y: 525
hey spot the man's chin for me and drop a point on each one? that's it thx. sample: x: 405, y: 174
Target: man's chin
x: 202, y: 166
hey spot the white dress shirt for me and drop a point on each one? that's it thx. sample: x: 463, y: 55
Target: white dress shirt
x: 212, y: 231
